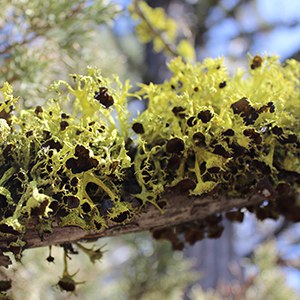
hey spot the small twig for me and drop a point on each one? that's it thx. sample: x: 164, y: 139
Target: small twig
x: 65, y: 273
x: 294, y: 263
x: 169, y: 47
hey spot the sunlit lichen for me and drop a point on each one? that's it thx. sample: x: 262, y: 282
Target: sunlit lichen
x: 226, y: 133
x: 56, y: 161
x: 78, y: 161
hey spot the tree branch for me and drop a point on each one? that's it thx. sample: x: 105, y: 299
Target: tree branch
x: 179, y: 209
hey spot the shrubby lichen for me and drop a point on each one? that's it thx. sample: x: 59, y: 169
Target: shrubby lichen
x: 78, y: 161
x: 66, y: 165
x: 220, y: 131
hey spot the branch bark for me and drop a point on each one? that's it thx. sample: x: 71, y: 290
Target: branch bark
x: 179, y: 209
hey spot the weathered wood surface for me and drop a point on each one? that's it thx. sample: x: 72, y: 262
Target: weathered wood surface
x: 179, y: 209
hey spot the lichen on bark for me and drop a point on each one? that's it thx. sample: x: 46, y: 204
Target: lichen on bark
x: 78, y: 161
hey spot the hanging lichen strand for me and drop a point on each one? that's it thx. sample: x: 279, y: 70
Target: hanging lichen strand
x: 203, y: 132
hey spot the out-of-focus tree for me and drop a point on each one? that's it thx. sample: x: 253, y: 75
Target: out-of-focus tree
x: 132, y: 267
x: 266, y: 280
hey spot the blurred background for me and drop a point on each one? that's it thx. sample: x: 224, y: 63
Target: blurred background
x: 42, y: 41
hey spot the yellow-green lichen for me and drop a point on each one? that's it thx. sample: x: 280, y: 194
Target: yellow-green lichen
x: 65, y: 162
x: 227, y: 131
x: 78, y: 160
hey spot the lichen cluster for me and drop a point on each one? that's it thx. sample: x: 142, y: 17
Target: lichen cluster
x: 65, y: 166
x: 79, y: 161
x: 206, y: 131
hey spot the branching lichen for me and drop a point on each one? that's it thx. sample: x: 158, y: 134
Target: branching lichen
x: 77, y: 160
x: 65, y: 166
x: 206, y: 132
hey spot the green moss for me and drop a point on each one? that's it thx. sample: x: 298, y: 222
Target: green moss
x: 76, y: 160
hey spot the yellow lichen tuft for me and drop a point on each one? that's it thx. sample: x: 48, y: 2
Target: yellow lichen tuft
x: 76, y: 160
x: 66, y: 164
x: 219, y: 131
